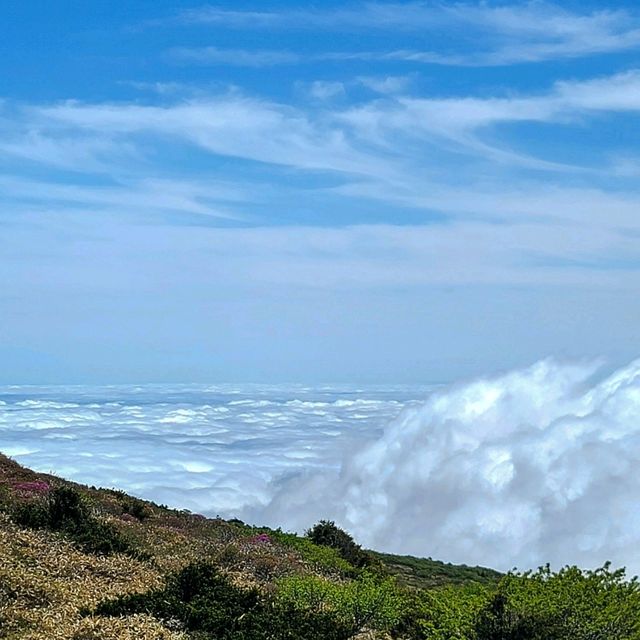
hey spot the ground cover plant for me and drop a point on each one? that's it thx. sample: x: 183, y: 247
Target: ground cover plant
x: 83, y: 563
x: 427, y: 573
x: 203, y: 601
x: 370, y: 601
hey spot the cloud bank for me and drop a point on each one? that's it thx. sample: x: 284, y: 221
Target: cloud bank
x: 537, y: 465
x: 214, y: 449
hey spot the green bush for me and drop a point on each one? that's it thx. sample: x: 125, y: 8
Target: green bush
x: 428, y: 573
x: 369, y: 601
x: 327, y: 534
x: 137, y: 509
x: 570, y: 604
x: 33, y: 515
x: 324, y: 559
x: 444, y: 613
x: 63, y: 510
x: 208, y: 605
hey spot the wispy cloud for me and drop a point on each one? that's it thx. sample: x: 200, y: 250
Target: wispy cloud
x: 325, y: 90
x: 93, y: 153
x: 229, y: 18
x: 461, y: 120
x: 233, y: 57
x: 428, y: 154
x: 133, y: 199
x: 375, y: 140
x: 230, y: 125
x: 500, y: 35
x: 386, y: 84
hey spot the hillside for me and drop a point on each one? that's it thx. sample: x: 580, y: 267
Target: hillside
x: 84, y: 563
x: 427, y: 573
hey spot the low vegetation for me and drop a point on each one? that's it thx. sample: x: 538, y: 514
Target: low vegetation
x: 63, y: 510
x: 204, y: 602
x: 325, y: 533
x: 428, y: 573
x: 83, y: 563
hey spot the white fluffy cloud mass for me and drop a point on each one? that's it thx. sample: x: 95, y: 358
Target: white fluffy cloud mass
x: 532, y: 466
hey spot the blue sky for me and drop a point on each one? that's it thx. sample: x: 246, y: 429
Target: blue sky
x: 367, y: 192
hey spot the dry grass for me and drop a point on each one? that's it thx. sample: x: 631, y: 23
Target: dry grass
x: 45, y: 582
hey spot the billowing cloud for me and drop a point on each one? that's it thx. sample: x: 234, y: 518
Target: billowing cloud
x: 537, y: 465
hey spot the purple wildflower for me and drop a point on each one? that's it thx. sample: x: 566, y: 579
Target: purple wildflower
x: 37, y: 486
x: 261, y: 538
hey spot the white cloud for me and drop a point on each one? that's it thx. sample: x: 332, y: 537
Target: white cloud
x: 388, y: 151
x: 461, y: 119
x: 210, y: 448
x: 368, y: 140
x: 527, y: 32
x: 216, y: 15
x: 228, y: 125
x: 386, y: 84
x: 325, y: 90
x: 93, y: 153
x: 279, y: 134
x: 134, y: 199
x: 562, y: 239
x: 529, y: 467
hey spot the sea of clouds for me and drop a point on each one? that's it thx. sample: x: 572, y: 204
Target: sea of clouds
x: 213, y: 449
x: 532, y: 466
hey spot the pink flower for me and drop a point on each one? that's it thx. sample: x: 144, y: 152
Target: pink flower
x: 261, y: 538
x: 37, y: 486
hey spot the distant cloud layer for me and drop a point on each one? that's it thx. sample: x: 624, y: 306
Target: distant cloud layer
x: 213, y: 449
x: 535, y: 465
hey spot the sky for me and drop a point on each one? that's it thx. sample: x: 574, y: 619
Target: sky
x: 282, y: 191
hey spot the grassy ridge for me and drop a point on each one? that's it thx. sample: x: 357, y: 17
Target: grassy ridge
x: 80, y: 563
x: 424, y: 573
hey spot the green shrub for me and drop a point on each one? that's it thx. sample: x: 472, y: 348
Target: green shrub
x: 207, y: 604
x: 229, y: 556
x: 137, y: 509
x: 322, y: 558
x: 368, y: 601
x: 570, y: 604
x: 33, y: 515
x: 327, y: 534
x: 444, y: 613
x: 63, y: 510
